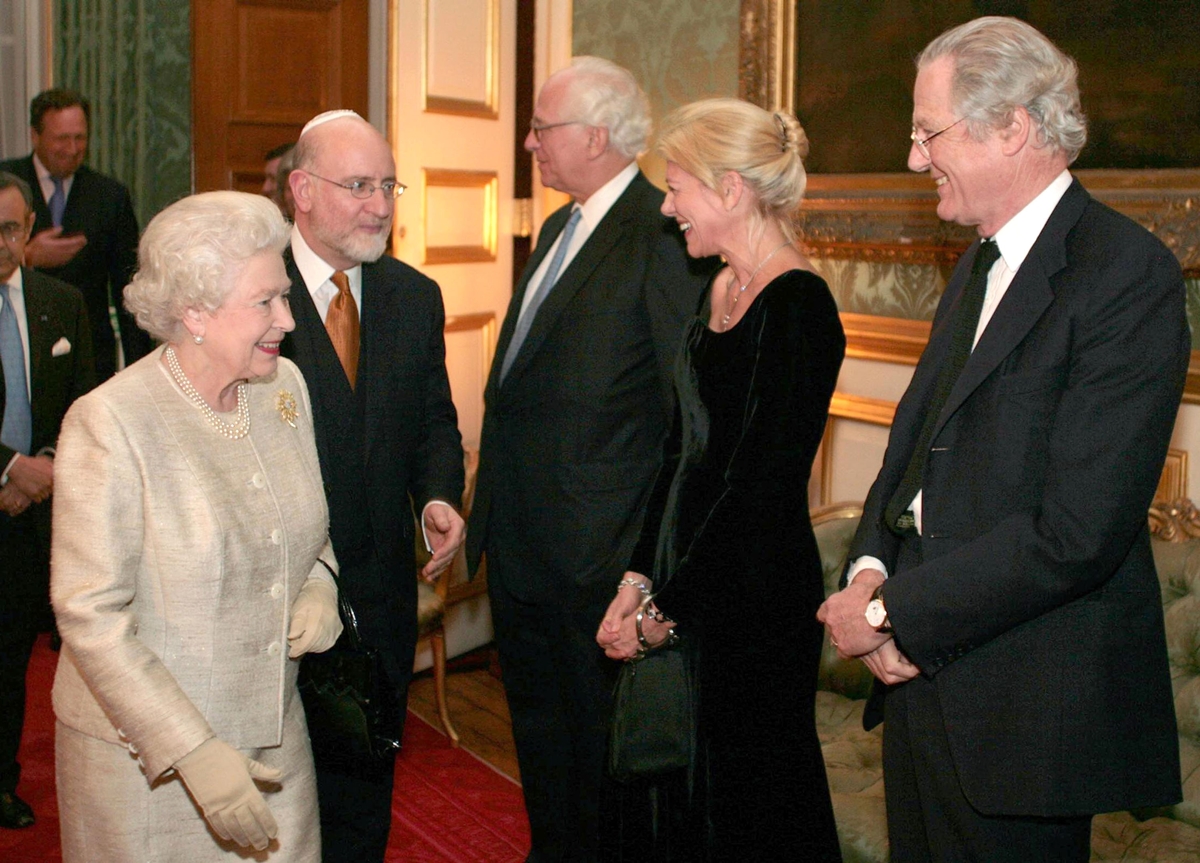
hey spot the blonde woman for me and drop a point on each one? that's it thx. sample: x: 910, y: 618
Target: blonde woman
x: 727, y: 548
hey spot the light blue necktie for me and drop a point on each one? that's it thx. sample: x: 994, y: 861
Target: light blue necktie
x: 17, y: 431
x: 57, y: 202
x: 543, y: 290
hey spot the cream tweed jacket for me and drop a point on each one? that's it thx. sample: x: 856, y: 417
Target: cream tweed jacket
x: 177, y: 554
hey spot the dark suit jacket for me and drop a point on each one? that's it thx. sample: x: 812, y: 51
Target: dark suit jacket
x: 98, y: 207
x: 573, y: 437
x: 53, y: 310
x: 1036, y: 609
x: 393, y: 438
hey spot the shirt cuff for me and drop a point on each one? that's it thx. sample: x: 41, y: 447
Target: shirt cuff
x: 424, y: 533
x: 7, y: 468
x: 865, y: 562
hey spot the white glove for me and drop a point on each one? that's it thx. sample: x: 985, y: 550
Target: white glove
x: 315, y: 622
x: 221, y: 781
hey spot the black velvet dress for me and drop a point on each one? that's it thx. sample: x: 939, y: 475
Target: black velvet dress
x: 735, y: 564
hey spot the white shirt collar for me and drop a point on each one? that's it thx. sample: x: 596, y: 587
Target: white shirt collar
x: 46, y: 181
x: 314, y: 269
x: 16, y: 282
x: 598, y: 204
x: 1020, y: 232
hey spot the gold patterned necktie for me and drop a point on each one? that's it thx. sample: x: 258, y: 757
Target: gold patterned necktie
x: 341, y: 322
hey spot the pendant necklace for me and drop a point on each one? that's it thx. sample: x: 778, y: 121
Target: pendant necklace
x: 741, y: 289
x: 235, y: 430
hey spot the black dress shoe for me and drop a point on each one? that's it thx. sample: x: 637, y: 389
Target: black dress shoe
x: 14, y: 812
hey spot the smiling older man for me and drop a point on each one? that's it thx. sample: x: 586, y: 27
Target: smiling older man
x: 369, y: 340
x: 1002, y: 586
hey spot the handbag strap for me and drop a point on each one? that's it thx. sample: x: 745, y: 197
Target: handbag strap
x: 345, y: 609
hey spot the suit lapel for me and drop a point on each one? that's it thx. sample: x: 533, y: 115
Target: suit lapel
x: 313, y: 351
x: 43, y: 330
x: 550, y: 230
x: 593, y: 252
x: 1025, y: 301
x: 375, y: 345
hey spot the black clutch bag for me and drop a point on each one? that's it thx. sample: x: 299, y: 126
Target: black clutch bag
x: 653, y: 729
x: 350, y: 703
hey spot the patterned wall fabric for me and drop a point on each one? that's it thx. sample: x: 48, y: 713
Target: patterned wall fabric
x: 679, y: 50
x: 132, y: 59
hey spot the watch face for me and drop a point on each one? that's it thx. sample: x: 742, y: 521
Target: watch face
x: 876, y: 614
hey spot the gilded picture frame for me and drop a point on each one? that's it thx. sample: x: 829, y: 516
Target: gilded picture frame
x: 891, y: 217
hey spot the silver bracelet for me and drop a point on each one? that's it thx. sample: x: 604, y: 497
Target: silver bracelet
x: 644, y: 611
x: 633, y: 582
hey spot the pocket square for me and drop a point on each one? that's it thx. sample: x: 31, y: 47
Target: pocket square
x: 61, y: 348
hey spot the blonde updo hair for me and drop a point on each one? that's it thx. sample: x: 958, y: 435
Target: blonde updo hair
x: 192, y: 251
x: 713, y: 136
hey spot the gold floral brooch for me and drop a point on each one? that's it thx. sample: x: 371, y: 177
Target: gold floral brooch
x: 285, y: 403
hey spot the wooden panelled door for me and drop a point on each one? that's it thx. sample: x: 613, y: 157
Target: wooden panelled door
x: 260, y: 70
x: 451, y: 105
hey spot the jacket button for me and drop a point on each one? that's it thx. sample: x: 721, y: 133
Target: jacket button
x: 273, y: 649
x: 258, y: 481
x: 276, y: 536
x: 276, y: 590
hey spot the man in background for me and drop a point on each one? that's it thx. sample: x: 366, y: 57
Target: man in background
x: 85, y: 232
x: 277, y: 165
x: 578, y: 402
x: 46, y: 353
x: 1002, y: 588
x: 369, y: 341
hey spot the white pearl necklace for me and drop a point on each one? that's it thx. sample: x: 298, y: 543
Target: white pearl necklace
x: 233, y: 431
x: 741, y: 289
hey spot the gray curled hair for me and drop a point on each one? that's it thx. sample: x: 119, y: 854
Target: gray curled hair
x: 191, y: 254
x: 601, y: 93
x: 1002, y: 63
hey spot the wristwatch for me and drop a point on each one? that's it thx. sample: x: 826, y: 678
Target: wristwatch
x: 876, y: 612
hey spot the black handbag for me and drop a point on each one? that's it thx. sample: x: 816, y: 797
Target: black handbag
x: 653, y: 728
x: 350, y: 703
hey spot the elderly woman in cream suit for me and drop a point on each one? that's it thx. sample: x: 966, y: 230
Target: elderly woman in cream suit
x: 191, y: 563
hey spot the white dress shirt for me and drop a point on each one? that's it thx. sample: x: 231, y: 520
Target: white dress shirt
x: 316, y: 274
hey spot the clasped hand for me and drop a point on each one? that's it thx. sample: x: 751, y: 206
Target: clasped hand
x: 49, y: 248
x: 844, y: 616
x: 618, y: 630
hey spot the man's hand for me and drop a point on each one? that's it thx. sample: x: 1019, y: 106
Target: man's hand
x: 33, y: 475
x: 12, y: 502
x: 446, y: 532
x: 888, y: 664
x: 844, y: 615
x: 49, y: 248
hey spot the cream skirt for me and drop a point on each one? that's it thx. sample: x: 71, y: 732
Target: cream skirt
x: 109, y: 814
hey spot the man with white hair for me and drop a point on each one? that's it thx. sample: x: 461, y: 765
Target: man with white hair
x: 1001, y: 587
x: 578, y: 402
x: 369, y: 340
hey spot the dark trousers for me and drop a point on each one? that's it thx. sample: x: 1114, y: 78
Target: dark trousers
x: 559, y: 689
x: 356, y: 810
x: 929, y: 818
x: 24, y: 601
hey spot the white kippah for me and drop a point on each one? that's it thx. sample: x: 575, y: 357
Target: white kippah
x: 326, y: 117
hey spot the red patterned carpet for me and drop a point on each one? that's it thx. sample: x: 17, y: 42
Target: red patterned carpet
x: 449, y: 806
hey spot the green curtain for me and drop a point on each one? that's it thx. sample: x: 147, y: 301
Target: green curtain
x: 132, y: 59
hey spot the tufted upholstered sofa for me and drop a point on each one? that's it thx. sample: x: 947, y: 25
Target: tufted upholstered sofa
x: 853, y: 757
